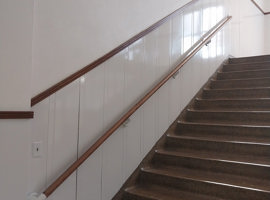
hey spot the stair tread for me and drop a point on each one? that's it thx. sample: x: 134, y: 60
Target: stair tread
x: 235, y: 89
x: 240, y: 83
x: 253, y: 63
x: 239, y: 66
x: 223, y: 125
x: 240, y: 79
x: 164, y: 193
x: 236, y: 93
x: 243, y: 71
x: 245, y: 104
x: 250, y: 59
x: 229, y: 116
x: 203, y: 157
x: 254, y: 160
x: 213, y: 177
x: 229, y: 111
x: 244, y: 99
x: 222, y: 138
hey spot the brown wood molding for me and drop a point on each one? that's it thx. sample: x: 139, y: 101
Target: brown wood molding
x: 195, y: 48
x: 38, y: 98
x: 16, y: 114
x: 259, y: 7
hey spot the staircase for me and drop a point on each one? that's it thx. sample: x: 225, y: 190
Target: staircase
x: 219, y: 147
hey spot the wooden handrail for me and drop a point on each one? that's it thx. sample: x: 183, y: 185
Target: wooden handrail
x: 16, y: 114
x: 43, y: 95
x: 259, y: 7
x: 187, y: 56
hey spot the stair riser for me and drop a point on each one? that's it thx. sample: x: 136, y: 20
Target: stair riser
x: 229, y: 117
x: 240, y: 84
x: 251, y: 171
x: 205, y: 130
x: 129, y: 196
x: 199, y: 187
x: 236, y: 94
x: 265, y: 58
x: 243, y: 67
x: 230, y: 105
x: 243, y: 75
x: 213, y: 146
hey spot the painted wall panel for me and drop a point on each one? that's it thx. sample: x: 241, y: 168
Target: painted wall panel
x: 14, y: 149
x: 71, y: 34
x: 149, y: 127
x: 101, y: 97
x: 39, y: 133
x: 134, y: 66
x: 132, y: 144
x: 175, y: 54
x: 90, y: 178
x: 62, y: 150
x: 114, y: 89
x: 112, y: 164
x: 92, y: 88
x: 163, y: 67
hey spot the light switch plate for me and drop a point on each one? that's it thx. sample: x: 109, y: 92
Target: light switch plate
x: 37, y: 149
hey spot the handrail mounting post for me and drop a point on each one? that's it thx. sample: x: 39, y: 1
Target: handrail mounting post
x: 176, y: 74
x: 125, y: 124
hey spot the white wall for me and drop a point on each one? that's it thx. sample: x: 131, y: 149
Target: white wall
x: 70, y: 34
x: 267, y: 34
x: 247, y: 29
x: 14, y: 155
x: 16, y: 24
x: 69, y: 121
x: 267, y: 26
x: 63, y: 38
x: 266, y: 6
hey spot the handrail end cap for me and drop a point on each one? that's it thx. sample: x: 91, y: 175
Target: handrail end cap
x: 35, y: 196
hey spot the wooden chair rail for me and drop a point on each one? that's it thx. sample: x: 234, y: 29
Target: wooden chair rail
x: 16, y: 114
x: 186, y: 57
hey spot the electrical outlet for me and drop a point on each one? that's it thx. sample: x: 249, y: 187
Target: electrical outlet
x: 37, y: 149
